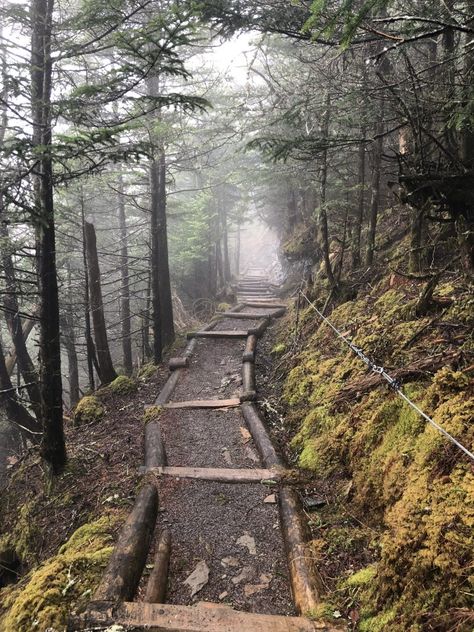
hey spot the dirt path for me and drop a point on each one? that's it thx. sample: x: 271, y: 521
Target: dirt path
x: 232, y: 528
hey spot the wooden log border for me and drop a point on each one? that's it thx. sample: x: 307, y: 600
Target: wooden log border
x: 155, y: 453
x: 250, y: 349
x: 178, y: 363
x: 124, y: 570
x: 158, y: 580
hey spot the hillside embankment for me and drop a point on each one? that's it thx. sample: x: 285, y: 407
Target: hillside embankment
x: 391, y: 500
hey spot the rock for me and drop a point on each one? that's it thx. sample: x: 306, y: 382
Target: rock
x: 251, y: 589
x: 310, y: 503
x: 226, y: 455
x: 245, y: 575
x: 246, y: 436
x: 223, y: 595
x: 251, y: 454
x: 271, y: 499
x: 233, y: 562
x: 198, y: 578
x: 249, y: 542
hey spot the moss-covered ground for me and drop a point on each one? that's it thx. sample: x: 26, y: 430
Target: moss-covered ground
x: 62, y: 530
x: 396, y: 542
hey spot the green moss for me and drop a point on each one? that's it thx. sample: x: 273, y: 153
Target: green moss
x: 147, y: 371
x: 152, y: 413
x: 279, y: 349
x: 322, y: 612
x: 88, y: 410
x: 379, y: 622
x: 363, y: 577
x: 223, y: 307
x: 63, y: 582
x: 123, y: 385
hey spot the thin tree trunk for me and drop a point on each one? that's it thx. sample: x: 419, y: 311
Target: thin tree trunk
x: 16, y: 413
x: 359, y: 215
x: 53, y: 445
x: 166, y: 302
x: 375, y: 189
x: 323, y: 218
x: 12, y: 317
x: 90, y: 347
x: 155, y: 266
x: 124, y: 285
x: 237, y: 250
x: 69, y: 341
x: 106, y: 370
x: 225, y: 239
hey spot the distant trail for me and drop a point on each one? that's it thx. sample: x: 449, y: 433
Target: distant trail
x: 230, y: 543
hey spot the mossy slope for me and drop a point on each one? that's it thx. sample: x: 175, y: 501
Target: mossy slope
x: 62, y: 583
x: 408, y: 482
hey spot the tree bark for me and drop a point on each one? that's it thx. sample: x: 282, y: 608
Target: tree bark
x: 90, y: 347
x: 124, y: 283
x: 53, y: 447
x: 106, y: 370
x: 16, y: 413
x: 375, y: 189
x: 69, y: 341
x: 359, y: 215
x: 323, y: 218
x: 12, y: 316
x: 154, y: 261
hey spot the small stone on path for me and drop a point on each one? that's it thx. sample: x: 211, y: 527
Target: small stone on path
x: 246, y: 574
x: 270, y: 500
x: 198, y: 578
x: 251, y: 589
x: 230, y: 561
x: 249, y: 542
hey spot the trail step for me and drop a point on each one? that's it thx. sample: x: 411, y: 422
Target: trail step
x: 222, y: 475
x: 243, y: 315
x: 218, y: 334
x: 205, y: 403
x: 170, y: 618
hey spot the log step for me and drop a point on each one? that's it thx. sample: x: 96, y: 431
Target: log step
x: 265, y: 304
x: 218, y: 334
x: 243, y: 315
x: 222, y: 475
x: 170, y: 618
x: 205, y: 403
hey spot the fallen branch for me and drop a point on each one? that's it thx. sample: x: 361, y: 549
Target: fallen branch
x: 358, y: 387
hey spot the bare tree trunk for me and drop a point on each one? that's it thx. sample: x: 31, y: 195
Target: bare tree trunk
x: 69, y: 341
x: 166, y: 302
x: 375, y: 189
x: 124, y: 285
x: 237, y: 250
x: 359, y: 216
x: 53, y: 445
x: 154, y: 261
x: 225, y: 238
x: 12, y: 317
x: 16, y: 413
x: 90, y: 347
x: 323, y: 218
x: 106, y: 370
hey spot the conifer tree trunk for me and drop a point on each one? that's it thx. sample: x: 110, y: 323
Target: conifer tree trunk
x: 161, y: 283
x: 124, y: 283
x: 90, y: 347
x: 106, y: 370
x: 16, y: 413
x: 323, y: 218
x: 12, y: 316
x: 375, y: 189
x: 69, y: 341
x: 359, y: 215
x: 53, y: 447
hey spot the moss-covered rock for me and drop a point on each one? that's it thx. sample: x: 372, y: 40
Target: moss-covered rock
x: 279, y: 349
x: 63, y: 582
x: 147, y: 371
x: 223, y: 307
x: 122, y: 385
x: 88, y: 410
